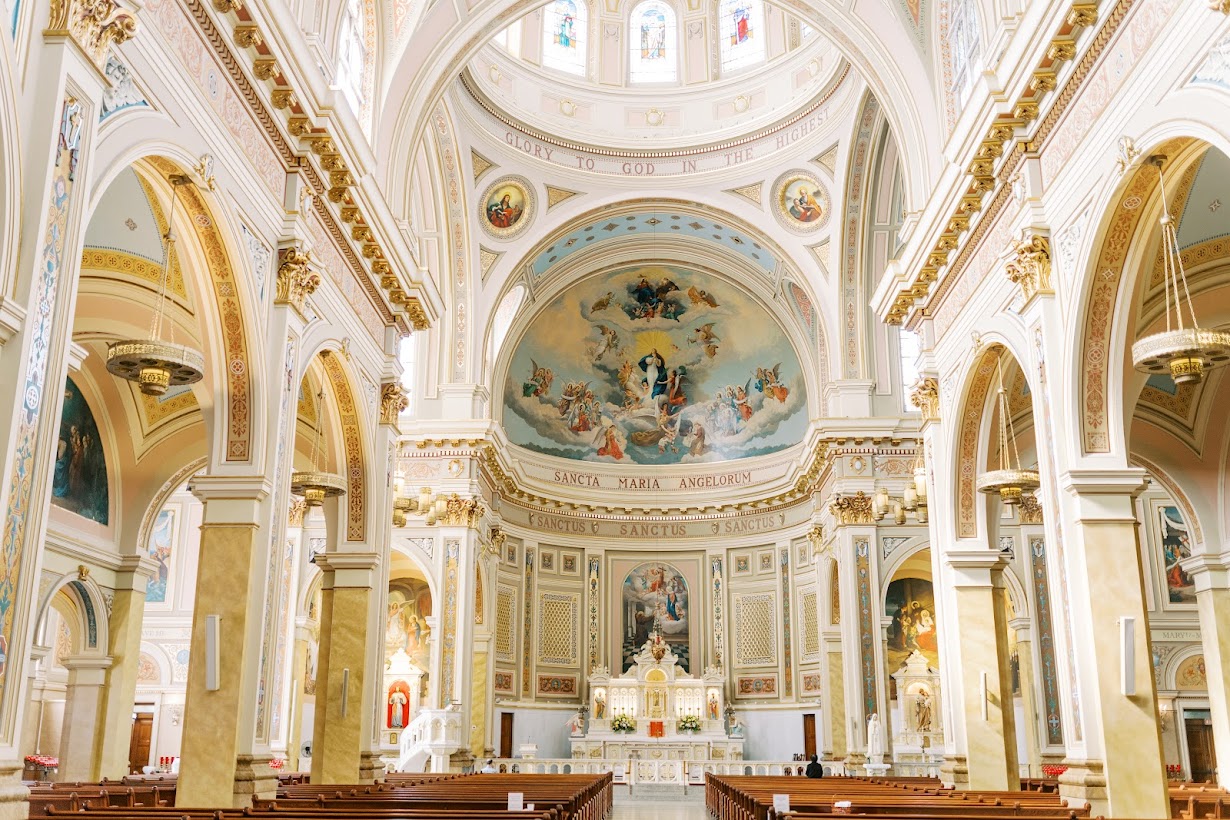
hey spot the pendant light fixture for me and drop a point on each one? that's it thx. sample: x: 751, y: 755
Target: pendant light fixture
x: 315, y: 484
x: 1184, y: 351
x: 1010, y: 482
x: 155, y: 364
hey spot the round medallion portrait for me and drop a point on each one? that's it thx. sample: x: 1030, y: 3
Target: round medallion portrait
x: 800, y: 201
x: 507, y: 207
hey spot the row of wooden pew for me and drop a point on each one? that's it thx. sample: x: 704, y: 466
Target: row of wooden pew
x: 400, y: 797
x: 1193, y: 801
x: 752, y: 798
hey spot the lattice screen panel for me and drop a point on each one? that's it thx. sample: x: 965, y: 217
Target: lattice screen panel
x: 811, y: 624
x: 558, y: 624
x: 756, y: 629
x: 506, y: 625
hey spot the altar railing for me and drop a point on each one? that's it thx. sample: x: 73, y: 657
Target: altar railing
x: 681, y: 772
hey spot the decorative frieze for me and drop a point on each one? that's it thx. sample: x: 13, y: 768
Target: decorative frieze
x: 95, y: 25
x: 925, y: 395
x: 1030, y: 266
x: 852, y: 509
x: 296, y: 279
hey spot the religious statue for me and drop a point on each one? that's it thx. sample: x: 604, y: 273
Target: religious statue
x: 736, y: 726
x: 599, y: 706
x: 875, y: 739
x: 713, y: 706
x: 397, y: 708
x: 922, y: 711
x: 657, y: 703
x: 576, y: 724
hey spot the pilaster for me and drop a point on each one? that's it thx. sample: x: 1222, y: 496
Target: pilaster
x: 83, y: 725
x: 124, y: 629
x: 1211, y: 576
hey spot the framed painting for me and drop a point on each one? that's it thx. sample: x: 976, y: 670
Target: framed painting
x: 800, y: 202
x: 1175, y: 546
x: 507, y: 207
x: 79, y: 483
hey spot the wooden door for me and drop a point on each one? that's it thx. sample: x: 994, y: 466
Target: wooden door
x: 809, y: 735
x: 1200, y: 752
x: 506, y: 720
x: 138, y: 745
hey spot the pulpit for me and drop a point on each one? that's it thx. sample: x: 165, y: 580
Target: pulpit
x: 667, y: 715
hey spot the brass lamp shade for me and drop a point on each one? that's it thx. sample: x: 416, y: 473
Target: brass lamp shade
x: 1010, y: 485
x: 1183, y: 354
x: 154, y: 366
x: 315, y: 486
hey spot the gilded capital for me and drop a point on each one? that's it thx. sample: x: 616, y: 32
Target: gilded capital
x: 296, y: 279
x: 392, y: 402
x: 1220, y: 5
x: 1029, y: 511
x: 852, y: 509
x: 925, y: 395
x: 1030, y: 266
x: 494, y: 548
x: 815, y: 537
x: 461, y: 512
x: 94, y: 25
x: 294, y: 515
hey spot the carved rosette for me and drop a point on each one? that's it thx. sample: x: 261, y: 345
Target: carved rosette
x: 461, y: 512
x: 1029, y: 510
x: 852, y: 509
x: 926, y: 397
x: 1031, y: 266
x: 95, y: 25
x: 296, y: 279
x: 392, y: 402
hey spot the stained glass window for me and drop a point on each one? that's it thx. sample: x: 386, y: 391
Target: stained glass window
x: 963, y: 49
x: 352, y: 54
x: 653, y: 46
x: 563, y: 42
x: 741, y: 33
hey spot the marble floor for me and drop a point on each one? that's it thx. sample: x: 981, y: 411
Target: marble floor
x: 692, y: 808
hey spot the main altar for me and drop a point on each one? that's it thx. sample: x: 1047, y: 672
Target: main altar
x: 659, y: 703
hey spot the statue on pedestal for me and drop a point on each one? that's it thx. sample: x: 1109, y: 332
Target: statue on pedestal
x: 875, y: 739
x: 576, y: 725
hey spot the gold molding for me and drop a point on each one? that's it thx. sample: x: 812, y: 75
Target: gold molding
x: 925, y: 395
x: 1030, y: 266
x: 392, y: 402
x: 94, y: 25
x: 852, y: 509
x: 296, y: 280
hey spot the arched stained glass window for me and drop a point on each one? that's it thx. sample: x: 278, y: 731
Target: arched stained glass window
x: 741, y: 33
x: 963, y: 49
x: 653, y: 51
x: 352, y: 54
x: 563, y: 42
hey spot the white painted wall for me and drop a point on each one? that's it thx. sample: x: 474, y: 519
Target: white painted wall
x: 774, y: 735
x: 546, y: 727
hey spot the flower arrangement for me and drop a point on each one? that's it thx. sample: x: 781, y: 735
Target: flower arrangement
x: 277, y: 763
x: 1053, y: 769
x: 623, y: 723
x: 689, y: 723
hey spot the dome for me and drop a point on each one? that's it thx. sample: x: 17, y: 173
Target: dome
x: 650, y: 71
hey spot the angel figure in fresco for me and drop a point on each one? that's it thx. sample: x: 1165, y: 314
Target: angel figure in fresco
x: 609, y: 342
x: 539, y: 382
x: 768, y: 381
x: 611, y: 445
x: 704, y: 336
x: 701, y: 297
x: 602, y: 304
x: 805, y: 208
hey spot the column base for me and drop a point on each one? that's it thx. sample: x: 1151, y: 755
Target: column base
x: 13, y: 793
x: 254, y: 778
x: 371, y: 766
x: 954, y: 772
x: 854, y: 762
x: 1085, y: 783
x: 461, y: 761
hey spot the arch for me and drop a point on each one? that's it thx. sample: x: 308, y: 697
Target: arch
x: 162, y: 664
x: 1168, y: 678
x: 90, y: 606
x: 160, y: 498
x: 352, y: 443
x: 902, y: 554
x: 235, y: 374
x: 1176, y: 492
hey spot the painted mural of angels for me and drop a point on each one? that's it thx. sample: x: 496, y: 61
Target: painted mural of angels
x: 539, y: 382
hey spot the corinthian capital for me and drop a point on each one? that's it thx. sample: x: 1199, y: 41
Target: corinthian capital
x: 1031, y: 266
x: 94, y: 25
x: 852, y: 509
x: 296, y: 279
x: 392, y: 402
x: 925, y: 395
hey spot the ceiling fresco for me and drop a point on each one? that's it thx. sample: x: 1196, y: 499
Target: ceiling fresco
x: 654, y: 365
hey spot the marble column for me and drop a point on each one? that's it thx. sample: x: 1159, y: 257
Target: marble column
x: 294, y: 711
x: 1211, y: 576
x: 338, y: 733
x: 58, y: 115
x: 124, y: 629
x: 229, y: 586
x: 1123, y: 773
x: 83, y: 717
x: 983, y: 673
x: 1032, y: 723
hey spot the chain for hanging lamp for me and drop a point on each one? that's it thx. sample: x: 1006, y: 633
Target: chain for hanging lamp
x: 1183, y: 352
x: 316, y: 484
x: 1009, y: 482
x: 155, y: 364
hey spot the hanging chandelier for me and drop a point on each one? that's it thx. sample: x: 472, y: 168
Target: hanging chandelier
x: 315, y: 484
x: 155, y: 364
x: 1182, y: 352
x: 1010, y: 482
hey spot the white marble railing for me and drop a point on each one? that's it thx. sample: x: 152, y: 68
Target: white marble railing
x: 433, y: 734
x: 683, y: 772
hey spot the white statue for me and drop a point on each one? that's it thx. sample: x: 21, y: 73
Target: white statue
x: 875, y: 740
x: 576, y: 725
x: 736, y: 726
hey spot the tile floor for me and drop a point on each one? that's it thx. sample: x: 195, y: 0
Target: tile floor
x: 691, y: 809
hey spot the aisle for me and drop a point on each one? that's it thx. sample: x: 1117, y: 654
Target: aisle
x: 691, y: 809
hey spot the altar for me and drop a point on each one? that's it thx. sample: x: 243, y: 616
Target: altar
x: 654, y: 712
